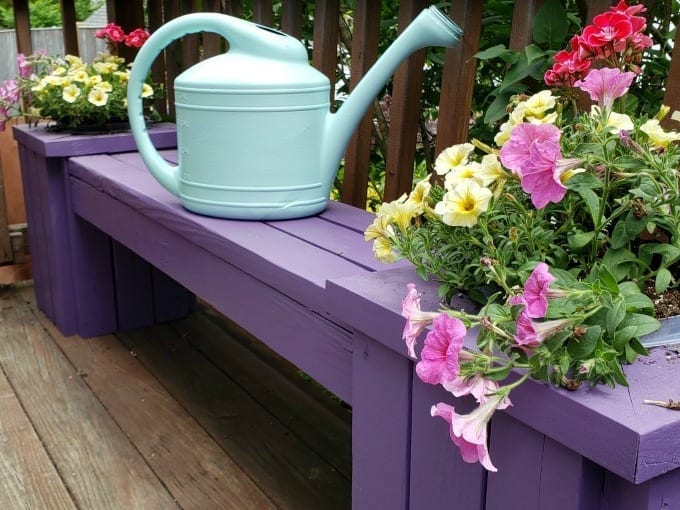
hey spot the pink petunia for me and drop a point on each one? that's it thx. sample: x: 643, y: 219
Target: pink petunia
x: 480, y: 388
x: 536, y: 291
x: 606, y: 84
x: 416, y: 320
x: 530, y: 334
x: 439, y: 357
x: 470, y: 451
x: 533, y: 152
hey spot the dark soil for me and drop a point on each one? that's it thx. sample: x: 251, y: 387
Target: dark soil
x: 666, y: 304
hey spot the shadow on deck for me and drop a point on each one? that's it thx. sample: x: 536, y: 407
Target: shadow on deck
x: 190, y: 414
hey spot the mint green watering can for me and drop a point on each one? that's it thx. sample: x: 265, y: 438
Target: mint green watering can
x: 256, y: 138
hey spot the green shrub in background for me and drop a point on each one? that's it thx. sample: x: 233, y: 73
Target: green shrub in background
x: 46, y: 13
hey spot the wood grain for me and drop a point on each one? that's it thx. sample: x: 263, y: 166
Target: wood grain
x: 196, y: 471
x: 28, y: 479
x: 99, y: 465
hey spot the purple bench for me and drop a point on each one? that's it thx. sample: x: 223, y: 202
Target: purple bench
x: 113, y: 251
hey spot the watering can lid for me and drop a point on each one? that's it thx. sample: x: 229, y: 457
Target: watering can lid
x: 237, y: 72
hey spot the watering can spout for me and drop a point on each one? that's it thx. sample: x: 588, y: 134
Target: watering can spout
x: 430, y: 28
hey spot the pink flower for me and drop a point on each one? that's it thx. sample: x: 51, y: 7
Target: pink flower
x: 531, y: 334
x: 536, y: 290
x: 477, y: 386
x: 606, y: 84
x: 470, y: 451
x: 532, y: 152
x: 136, y: 38
x: 25, y: 68
x: 439, y: 357
x: 416, y: 320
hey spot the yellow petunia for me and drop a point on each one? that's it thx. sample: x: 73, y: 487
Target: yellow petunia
x: 460, y: 174
x: 70, y: 93
x: 399, y: 212
x: 538, y: 104
x: 105, y: 86
x: 147, y: 90
x: 73, y: 60
x: 123, y: 76
x: 657, y: 135
x: 462, y: 206
x: 97, y: 97
x: 453, y: 156
x: 419, y: 194
x: 79, y: 75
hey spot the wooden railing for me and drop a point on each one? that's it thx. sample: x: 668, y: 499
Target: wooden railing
x: 458, y: 71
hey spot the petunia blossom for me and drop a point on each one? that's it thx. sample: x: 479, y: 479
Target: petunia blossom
x: 530, y: 334
x: 536, y: 291
x: 479, y: 387
x: 470, y: 451
x: 439, y: 357
x: 606, y: 84
x: 533, y: 152
x: 416, y: 320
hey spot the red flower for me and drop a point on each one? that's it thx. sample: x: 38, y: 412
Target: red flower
x: 111, y: 32
x: 609, y: 27
x: 136, y: 38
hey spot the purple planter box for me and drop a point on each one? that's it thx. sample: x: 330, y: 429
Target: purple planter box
x: 53, y: 231
x: 596, y: 448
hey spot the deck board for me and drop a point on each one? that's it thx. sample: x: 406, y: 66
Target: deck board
x: 147, y: 420
x: 28, y: 479
x: 98, y: 464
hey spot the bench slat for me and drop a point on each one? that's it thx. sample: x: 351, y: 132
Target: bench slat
x: 316, y: 345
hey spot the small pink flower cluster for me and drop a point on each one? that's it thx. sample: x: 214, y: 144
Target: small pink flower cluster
x: 9, y: 99
x: 443, y: 352
x: 614, y: 37
x: 114, y: 34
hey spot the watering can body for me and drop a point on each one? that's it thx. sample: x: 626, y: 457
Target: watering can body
x: 256, y: 139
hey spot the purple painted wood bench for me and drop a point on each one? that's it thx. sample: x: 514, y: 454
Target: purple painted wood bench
x: 116, y: 251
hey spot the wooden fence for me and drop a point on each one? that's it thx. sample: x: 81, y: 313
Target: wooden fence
x: 458, y: 73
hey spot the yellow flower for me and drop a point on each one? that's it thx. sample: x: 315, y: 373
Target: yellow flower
x: 73, y: 60
x: 97, y: 97
x: 123, y: 76
x: 104, y: 67
x: 147, y: 90
x: 538, y: 104
x: 105, y: 86
x: 79, y: 75
x: 382, y: 250
x: 70, y: 93
x: 462, y: 206
x: 454, y: 156
x: 380, y: 227
x: 419, y: 194
x: 59, y: 71
x: 657, y: 135
x: 400, y: 212
x: 54, y: 80
x: 93, y: 80
x: 460, y: 174
x: 490, y: 170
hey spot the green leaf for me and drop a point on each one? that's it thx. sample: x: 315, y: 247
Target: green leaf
x: 518, y: 71
x: 549, y: 25
x: 638, y: 302
x: 618, y: 374
x: 615, y: 316
x: 635, y: 225
x: 584, y: 180
x: 619, y: 238
x: 493, y: 52
x: 663, y: 280
x: 498, y: 108
x: 638, y: 347
x: 592, y: 203
x: 623, y: 336
x: 533, y: 52
x: 584, y: 346
x: 620, y: 263
x: 608, y: 280
x: 579, y: 240
x: 645, y: 323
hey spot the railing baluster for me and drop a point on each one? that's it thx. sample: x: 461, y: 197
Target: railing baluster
x: 404, y: 114
x: 324, y: 55
x: 263, y: 13
x: 522, y: 20
x: 364, y: 53
x: 291, y: 17
x: 458, y: 77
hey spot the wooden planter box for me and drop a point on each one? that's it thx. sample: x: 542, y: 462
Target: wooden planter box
x: 43, y: 157
x: 589, y: 449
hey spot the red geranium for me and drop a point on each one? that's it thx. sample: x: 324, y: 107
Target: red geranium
x: 111, y: 32
x: 136, y: 38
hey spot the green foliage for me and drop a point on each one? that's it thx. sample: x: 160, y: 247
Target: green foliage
x: 47, y: 13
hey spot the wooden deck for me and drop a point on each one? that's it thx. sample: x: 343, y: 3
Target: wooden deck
x: 190, y: 414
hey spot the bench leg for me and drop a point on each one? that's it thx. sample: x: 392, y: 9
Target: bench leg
x: 381, y: 384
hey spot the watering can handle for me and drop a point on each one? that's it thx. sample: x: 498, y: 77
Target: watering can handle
x: 243, y: 36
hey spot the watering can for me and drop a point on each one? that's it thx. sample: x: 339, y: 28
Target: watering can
x: 256, y: 138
